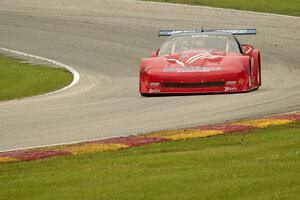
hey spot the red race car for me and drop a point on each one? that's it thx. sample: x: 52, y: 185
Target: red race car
x: 201, y: 61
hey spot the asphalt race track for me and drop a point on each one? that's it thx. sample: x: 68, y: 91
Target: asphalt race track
x: 104, y: 41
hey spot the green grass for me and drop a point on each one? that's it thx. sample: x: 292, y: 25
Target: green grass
x: 19, y: 80
x: 286, y: 7
x: 260, y: 165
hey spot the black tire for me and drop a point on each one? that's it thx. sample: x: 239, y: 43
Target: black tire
x: 145, y: 94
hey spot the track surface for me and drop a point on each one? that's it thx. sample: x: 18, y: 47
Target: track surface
x: 104, y: 41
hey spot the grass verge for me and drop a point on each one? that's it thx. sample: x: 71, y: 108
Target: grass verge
x: 19, y: 80
x: 262, y: 164
x: 286, y: 7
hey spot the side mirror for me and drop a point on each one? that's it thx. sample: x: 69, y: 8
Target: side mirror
x: 154, y: 53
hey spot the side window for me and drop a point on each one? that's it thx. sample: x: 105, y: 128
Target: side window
x: 232, y: 46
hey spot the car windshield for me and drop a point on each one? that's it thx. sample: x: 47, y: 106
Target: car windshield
x: 179, y: 43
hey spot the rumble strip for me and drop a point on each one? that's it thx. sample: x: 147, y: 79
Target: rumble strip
x: 118, y: 143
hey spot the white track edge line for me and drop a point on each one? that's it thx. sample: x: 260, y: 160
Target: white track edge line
x: 76, y: 75
x: 111, y: 137
x: 216, y: 8
x: 62, y: 143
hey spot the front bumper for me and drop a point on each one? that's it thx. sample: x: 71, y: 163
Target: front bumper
x: 219, y: 86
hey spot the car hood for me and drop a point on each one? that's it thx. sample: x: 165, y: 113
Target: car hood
x: 200, y: 61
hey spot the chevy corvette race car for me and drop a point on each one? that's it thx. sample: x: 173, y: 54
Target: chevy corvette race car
x: 201, y: 61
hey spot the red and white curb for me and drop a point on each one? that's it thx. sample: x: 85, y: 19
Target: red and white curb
x: 117, y: 143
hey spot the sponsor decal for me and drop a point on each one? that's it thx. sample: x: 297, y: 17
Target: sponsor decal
x: 154, y: 91
x: 153, y: 84
x: 191, y: 31
x: 187, y: 69
x: 238, y: 31
x: 230, y: 89
x: 177, y: 61
x: 202, y: 56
